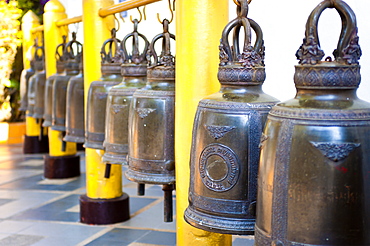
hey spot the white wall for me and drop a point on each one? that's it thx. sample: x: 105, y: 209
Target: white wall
x: 283, y: 24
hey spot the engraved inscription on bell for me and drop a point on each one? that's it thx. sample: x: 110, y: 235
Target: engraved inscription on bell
x: 219, y: 167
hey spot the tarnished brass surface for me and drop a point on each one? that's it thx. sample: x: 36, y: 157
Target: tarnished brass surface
x: 313, y: 186
x: 75, y: 114
x: 38, y: 78
x: 98, y: 93
x: 134, y: 71
x: 73, y: 59
x: 226, y: 134
x: 48, y: 97
x: 24, y: 82
x: 151, y: 121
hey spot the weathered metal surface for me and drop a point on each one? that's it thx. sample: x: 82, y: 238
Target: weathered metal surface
x: 226, y: 136
x: 48, y: 97
x: 73, y: 59
x: 313, y: 176
x: 98, y: 93
x: 134, y: 71
x: 75, y: 114
x: 151, y: 121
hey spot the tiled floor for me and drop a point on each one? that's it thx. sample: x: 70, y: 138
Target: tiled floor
x: 39, y: 212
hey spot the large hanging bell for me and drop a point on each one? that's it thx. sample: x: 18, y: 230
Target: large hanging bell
x: 226, y: 135
x: 98, y: 93
x: 75, y: 114
x: 133, y: 70
x: 313, y: 186
x: 73, y: 57
x: 37, y: 79
x: 24, y: 81
x: 151, y: 123
x: 48, y: 98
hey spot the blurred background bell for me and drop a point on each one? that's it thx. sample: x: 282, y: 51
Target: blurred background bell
x: 226, y: 136
x: 313, y: 184
x: 48, y: 98
x: 98, y: 92
x: 151, y: 124
x: 133, y: 70
x: 24, y: 82
x: 72, y: 54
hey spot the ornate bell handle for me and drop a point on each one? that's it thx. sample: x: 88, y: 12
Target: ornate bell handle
x: 60, y: 55
x: 259, y: 38
x: 108, y: 57
x: 70, y: 53
x: 166, y: 47
x: 347, y: 50
x: 241, y: 21
x: 136, y: 56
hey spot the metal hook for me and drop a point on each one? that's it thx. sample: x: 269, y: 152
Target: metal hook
x: 237, y: 2
x: 118, y: 25
x: 170, y: 7
x: 141, y: 15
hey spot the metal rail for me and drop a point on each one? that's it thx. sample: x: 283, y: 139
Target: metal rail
x: 116, y: 8
x: 37, y: 29
x: 67, y: 21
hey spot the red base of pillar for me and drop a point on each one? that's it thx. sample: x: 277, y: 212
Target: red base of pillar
x: 33, y: 145
x: 104, y: 211
x: 61, y: 167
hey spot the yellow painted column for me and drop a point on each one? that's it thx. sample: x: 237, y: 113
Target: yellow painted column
x: 199, y: 25
x: 96, y: 185
x: 54, y: 11
x: 29, y: 21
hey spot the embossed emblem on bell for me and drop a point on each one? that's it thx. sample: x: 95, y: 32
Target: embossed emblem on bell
x: 98, y: 92
x: 48, y: 98
x: 313, y: 175
x: 75, y: 114
x: 226, y: 135
x: 151, y: 123
x: 133, y: 70
x: 38, y: 78
x: 73, y: 59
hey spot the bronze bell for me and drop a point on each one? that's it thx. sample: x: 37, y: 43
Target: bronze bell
x: 24, y: 81
x: 226, y: 135
x: 313, y: 186
x: 98, y: 93
x: 151, y: 123
x: 133, y: 70
x: 73, y: 53
x: 48, y: 97
x: 38, y: 78
x: 75, y: 114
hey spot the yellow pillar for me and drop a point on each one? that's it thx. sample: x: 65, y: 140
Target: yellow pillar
x: 103, y: 196
x: 32, y: 143
x: 60, y: 163
x: 199, y: 25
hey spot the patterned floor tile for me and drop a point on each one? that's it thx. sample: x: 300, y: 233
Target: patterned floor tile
x: 19, y: 240
x: 158, y: 238
x: 119, y: 236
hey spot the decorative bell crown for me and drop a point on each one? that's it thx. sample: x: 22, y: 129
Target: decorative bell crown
x: 111, y: 59
x: 72, y: 54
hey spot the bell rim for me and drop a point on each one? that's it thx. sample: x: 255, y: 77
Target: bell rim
x: 199, y: 222
x: 92, y: 145
x: 114, y: 159
x: 58, y: 128
x: 74, y: 139
x: 139, y: 177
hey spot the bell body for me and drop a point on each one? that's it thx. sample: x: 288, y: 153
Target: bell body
x: 38, y: 111
x: 75, y: 114
x: 38, y: 78
x: 117, y: 114
x: 224, y: 159
x: 59, y: 96
x: 313, y: 186
x: 96, y: 107
x: 151, y: 132
x: 25, y: 79
x: 48, y: 97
